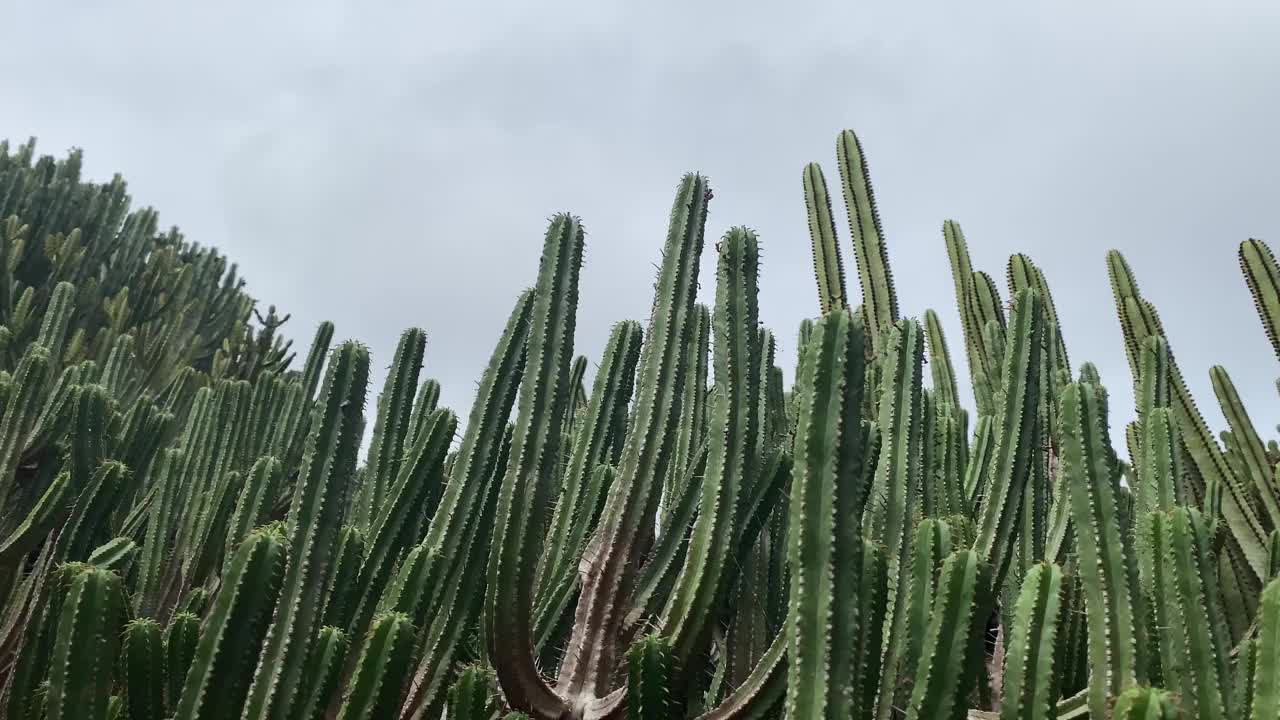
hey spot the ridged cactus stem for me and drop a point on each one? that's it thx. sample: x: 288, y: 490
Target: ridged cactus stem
x: 592, y: 653
x: 879, y: 301
x: 580, y: 498
x: 1265, y: 702
x: 952, y: 650
x: 1259, y: 267
x: 1261, y: 474
x: 216, y: 684
x: 828, y: 267
x: 650, y: 679
x: 732, y: 465
x: 471, y: 697
x: 944, y: 376
x: 391, y: 428
x: 313, y: 524
x: 1018, y: 441
x: 895, y: 492
x: 144, y: 669
x: 525, y: 492
x: 824, y: 536
x: 1113, y: 651
x: 374, y: 689
x: 84, y: 655
x: 1030, y: 683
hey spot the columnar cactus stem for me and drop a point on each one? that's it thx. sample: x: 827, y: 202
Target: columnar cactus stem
x: 581, y: 497
x: 828, y: 267
x: 895, y: 491
x: 944, y: 376
x: 324, y: 668
x: 181, y: 639
x: 1113, y: 654
x: 471, y: 697
x: 216, y: 684
x: 1260, y: 472
x: 391, y: 428
x: 879, y: 301
x: 591, y: 656
x: 525, y: 492
x: 1260, y: 271
x: 1030, y: 684
x: 650, y: 677
x: 144, y: 670
x: 952, y: 648
x: 1196, y: 621
x: 1143, y: 703
x: 313, y: 523
x: 374, y: 689
x: 80, y: 671
x: 1265, y: 700
x: 732, y: 464
x: 824, y: 539
x: 1017, y: 438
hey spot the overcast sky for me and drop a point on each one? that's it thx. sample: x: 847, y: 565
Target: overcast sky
x: 390, y: 164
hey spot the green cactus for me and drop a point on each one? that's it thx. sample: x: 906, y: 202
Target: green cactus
x: 650, y: 671
x: 312, y: 535
x: 217, y: 683
x: 1030, y: 684
x: 952, y: 650
x: 1263, y: 276
x: 828, y: 267
x: 385, y: 657
x: 84, y: 654
x: 144, y: 672
x: 471, y: 697
x: 825, y: 524
x: 880, y: 302
x: 1144, y: 703
x: 324, y: 667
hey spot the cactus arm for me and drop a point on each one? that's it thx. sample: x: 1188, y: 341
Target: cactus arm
x: 1138, y: 321
x: 143, y: 658
x: 1259, y: 267
x: 944, y: 375
x: 611, y: 560
x: 84, y: 655
x: 397, y: 508
x: 391, y: 428
x: 824, y: 531
x: 313, y: 523
x: 1197, y: 622
x: 731, y: 463
x: 1017, y: 440
x: 324, y: 668
x: 581, y: 491
x: 216, y: 684
x: 1112, y: 641
x: 312, y: 370
x: 880, y: 302
x: 471, y: 697
x: 525, y: 491
x: 1259, y: 466
x: 1265, y: 700
x: 650, y: 670
x: 1030, y: 688
x: 181, y: 638
x: 828, y: 266
x: 384, y: 660
x: 895, y: 489
x: 48, y: 512
x: 761, y: 692
x: 19, y: 407
x: 947, y: 668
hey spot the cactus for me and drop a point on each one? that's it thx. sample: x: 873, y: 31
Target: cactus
x: 144, y: 671
x: 825, y: 525
x: 81, y: 669
x: 385, y: 655
x: 1030, y: 687
x: 1260, y: 271
x: 650, y: 667
x: 471, y: 697
x: 880, y: 303
x: 313, y: 527
x: 216, y: 683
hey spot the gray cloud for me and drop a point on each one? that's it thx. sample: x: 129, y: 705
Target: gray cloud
x: 392, y: 164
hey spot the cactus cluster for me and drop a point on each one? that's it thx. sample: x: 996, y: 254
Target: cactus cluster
x: 188, y: 530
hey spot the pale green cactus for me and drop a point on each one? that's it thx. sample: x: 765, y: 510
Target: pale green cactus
x: 385, y: 657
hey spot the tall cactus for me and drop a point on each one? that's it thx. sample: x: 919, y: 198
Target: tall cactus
x: 526, y: 489
x: 81, y: 669
x: 879, y: 301
x: 1259, y: 267
x: 313, y: 523
x: 824, y: 541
